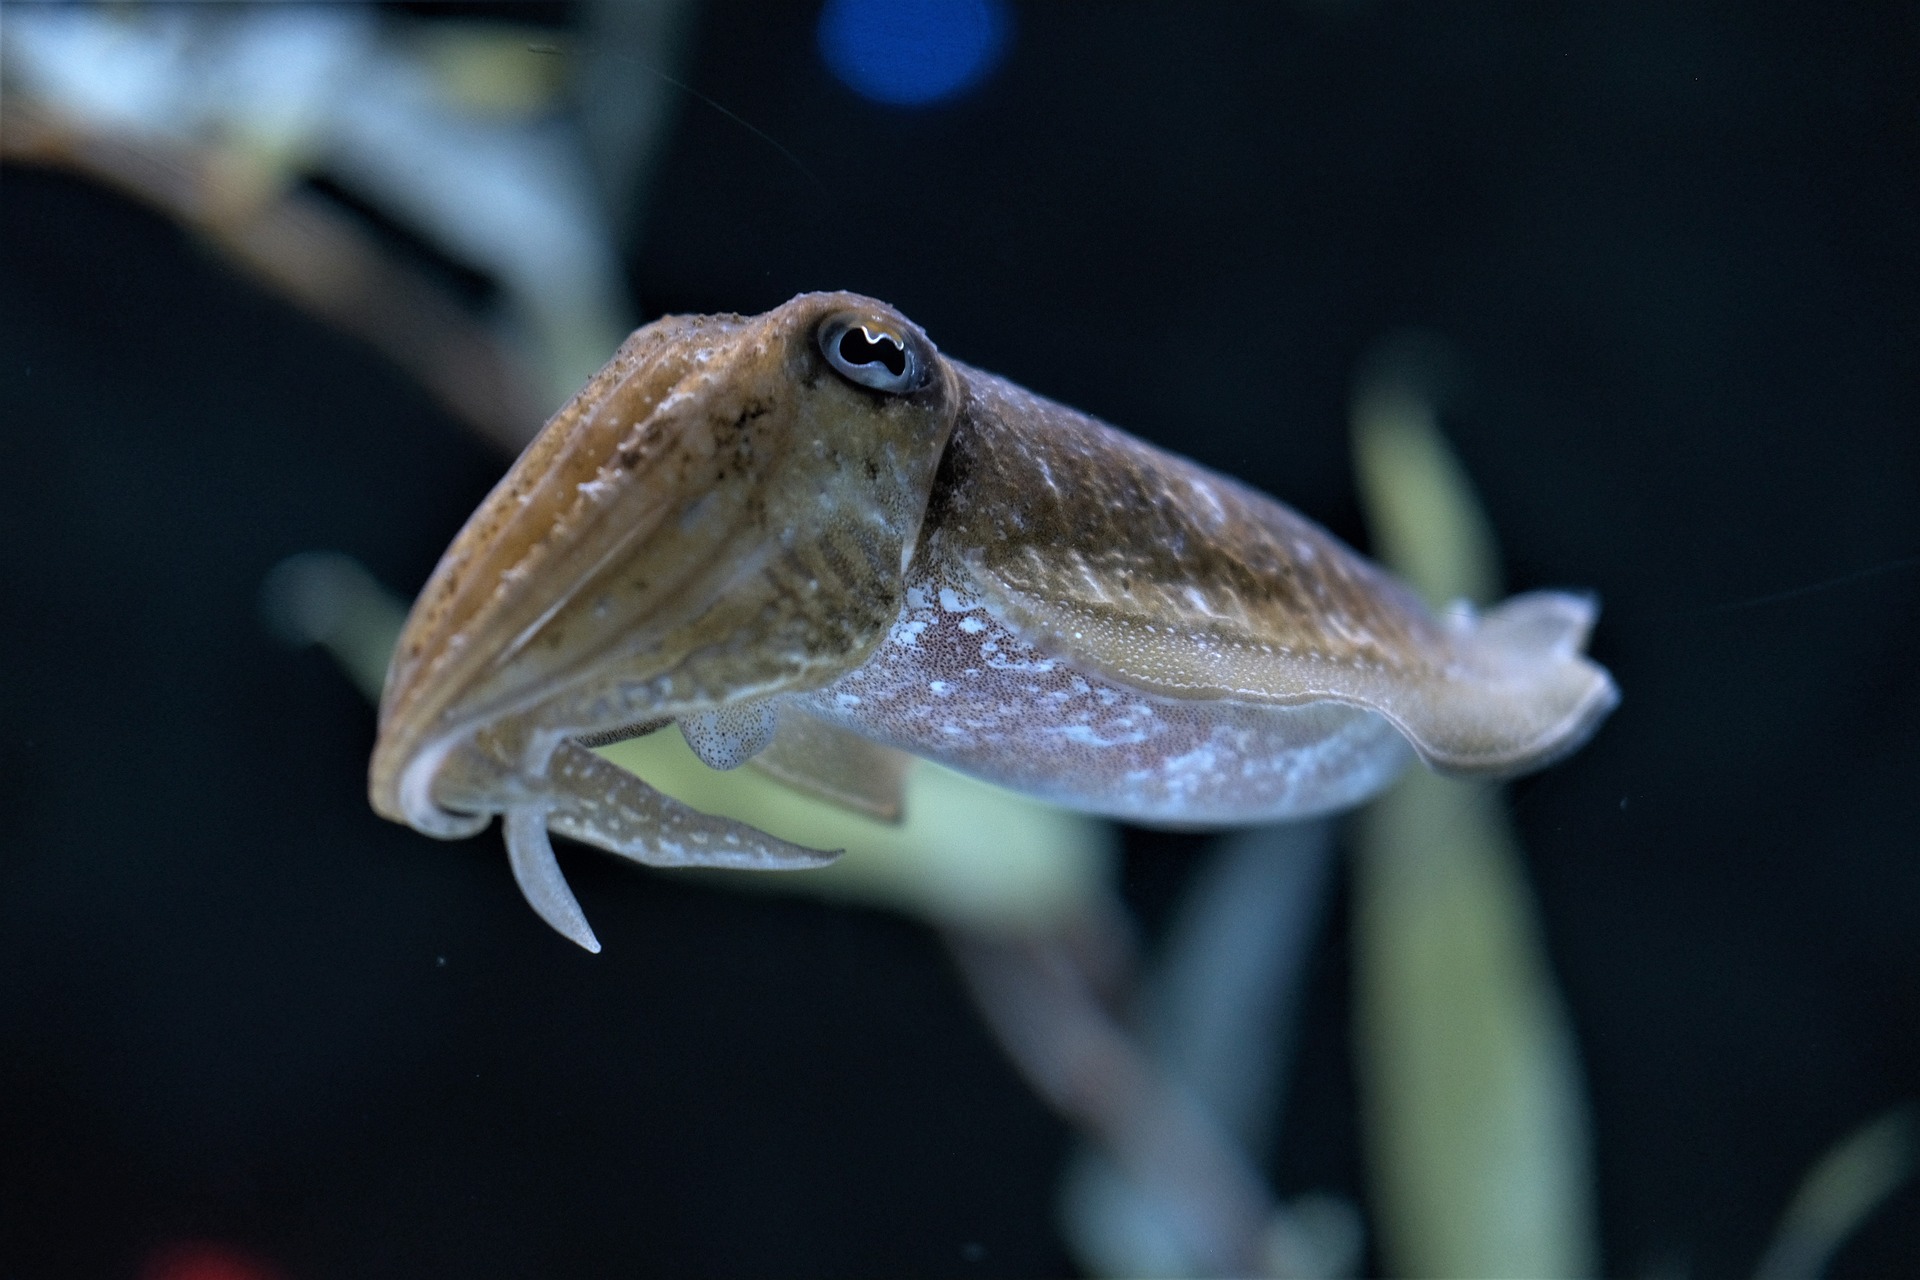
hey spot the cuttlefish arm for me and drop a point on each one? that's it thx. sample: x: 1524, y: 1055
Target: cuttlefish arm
x: 1154, y: 573
x: 601, y: 804
x: 723, y: 515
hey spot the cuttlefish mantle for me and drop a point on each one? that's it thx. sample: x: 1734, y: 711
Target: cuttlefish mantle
x: 811, y: 541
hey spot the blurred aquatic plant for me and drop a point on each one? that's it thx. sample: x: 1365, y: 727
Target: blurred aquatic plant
x: 1474, y: 1110
x: 328, y: 599
x: 966, y: 855
x: 1218, y: 1013
x: 1840, y: 1192
x: 333, y: 151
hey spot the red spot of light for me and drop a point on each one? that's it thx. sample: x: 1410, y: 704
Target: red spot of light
x: 206, y: 1260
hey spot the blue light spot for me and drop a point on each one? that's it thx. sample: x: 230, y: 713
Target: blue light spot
x: 908, y: 53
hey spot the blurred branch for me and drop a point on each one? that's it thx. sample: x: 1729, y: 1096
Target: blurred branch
x: 444, y: 133
x: 310, y: 251
x: 1221, y: 1008
x: 1036, y: 997
x: 1840, y: 1192
x: 328, y: 599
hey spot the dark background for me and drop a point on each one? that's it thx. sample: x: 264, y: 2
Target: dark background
x: 1674, y: 245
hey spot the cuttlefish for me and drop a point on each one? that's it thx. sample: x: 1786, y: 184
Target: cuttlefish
x: 810, y: 540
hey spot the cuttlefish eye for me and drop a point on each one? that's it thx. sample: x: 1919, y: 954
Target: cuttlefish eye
x: 872, y: 354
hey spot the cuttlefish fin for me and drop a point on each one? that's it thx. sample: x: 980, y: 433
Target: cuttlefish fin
x: 598, y: 803
x: 1520, y: 694
x: 837, y: 766
x: 1496, y: 695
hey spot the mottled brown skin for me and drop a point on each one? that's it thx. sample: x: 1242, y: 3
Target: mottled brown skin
x: 1174, y: 580
x: 731, y: 529
x: 1061, y: 507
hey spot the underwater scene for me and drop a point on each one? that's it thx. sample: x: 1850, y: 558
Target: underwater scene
x: 959, y: 638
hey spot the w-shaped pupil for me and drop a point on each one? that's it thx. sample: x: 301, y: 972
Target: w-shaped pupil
x: 856, y: 347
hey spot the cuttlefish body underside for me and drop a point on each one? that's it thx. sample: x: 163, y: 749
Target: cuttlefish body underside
x: 812, y: 541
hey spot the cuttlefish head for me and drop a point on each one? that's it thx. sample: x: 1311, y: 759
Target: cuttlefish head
x: 723, y: 513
